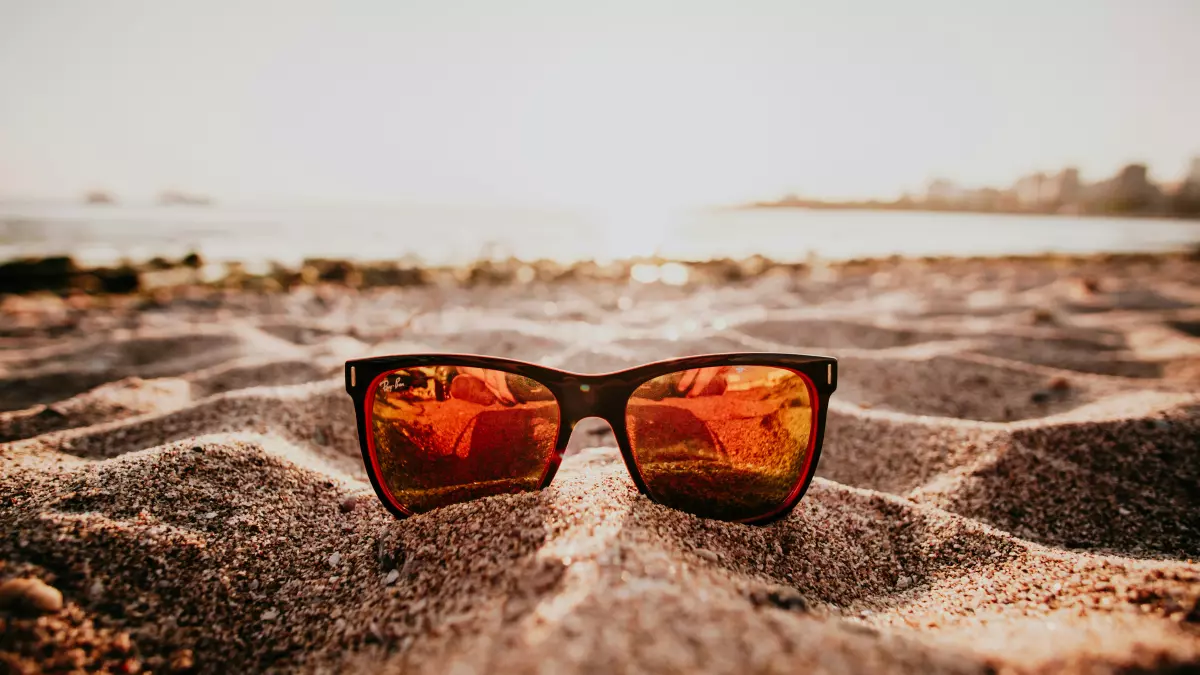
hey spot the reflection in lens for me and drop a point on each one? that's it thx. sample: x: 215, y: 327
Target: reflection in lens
x: 729, y: 442
x: 445, y: 434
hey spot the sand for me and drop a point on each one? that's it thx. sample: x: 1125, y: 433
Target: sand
x: 1010, y: 483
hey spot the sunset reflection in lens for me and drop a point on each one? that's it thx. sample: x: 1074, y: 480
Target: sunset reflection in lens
x: 729, y: 442
x: 445, y: 434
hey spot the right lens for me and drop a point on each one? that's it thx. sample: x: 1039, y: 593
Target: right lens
x: 446, y: 434
x: 732, y: 442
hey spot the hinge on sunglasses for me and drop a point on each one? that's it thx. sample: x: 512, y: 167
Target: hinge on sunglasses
x: 828, y: 374
x: 352, y: 377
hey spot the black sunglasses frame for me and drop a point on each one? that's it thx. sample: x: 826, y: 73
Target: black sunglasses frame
x: 605, y: 396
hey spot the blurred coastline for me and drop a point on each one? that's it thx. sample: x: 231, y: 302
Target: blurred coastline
x: 122, y: 247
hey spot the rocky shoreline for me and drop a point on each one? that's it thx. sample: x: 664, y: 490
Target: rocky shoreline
x: 64, y: 276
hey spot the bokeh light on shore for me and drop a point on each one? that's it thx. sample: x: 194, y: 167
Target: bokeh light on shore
x: 670, y: 273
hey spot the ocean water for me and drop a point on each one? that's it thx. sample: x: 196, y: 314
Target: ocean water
x: 439, y: 235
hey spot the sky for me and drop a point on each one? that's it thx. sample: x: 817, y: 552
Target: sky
x: 623, y: 104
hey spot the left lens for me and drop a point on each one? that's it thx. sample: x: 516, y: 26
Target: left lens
x: 731, y: 442
x: 446, y: 434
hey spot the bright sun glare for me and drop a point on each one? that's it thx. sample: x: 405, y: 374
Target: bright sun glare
x: 632, y: 229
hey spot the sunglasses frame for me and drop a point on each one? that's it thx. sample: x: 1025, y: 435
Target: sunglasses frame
x: 580, y: 396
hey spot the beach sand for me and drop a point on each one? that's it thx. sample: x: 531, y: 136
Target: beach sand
x: 1010, y: 482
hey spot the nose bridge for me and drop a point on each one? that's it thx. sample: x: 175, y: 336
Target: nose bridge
x: 585, y: 396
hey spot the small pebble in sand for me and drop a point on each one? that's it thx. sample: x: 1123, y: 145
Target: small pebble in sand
x: 182, y: 661
x: 1056, y: 388
x: 335, y: 559
x: 122, y: 644
x: 1042, y: 316
x: 349, y: 503
x: 392, y: 577
x: 781, y: 597
x: 1059, y: 384
x: 707, y: 554
x: 1087, y: 286
x: 31, y: 596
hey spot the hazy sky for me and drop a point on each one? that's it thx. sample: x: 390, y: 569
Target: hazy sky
x: 616, y: 103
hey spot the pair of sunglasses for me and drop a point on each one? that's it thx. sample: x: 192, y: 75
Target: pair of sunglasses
x: 728, y: 436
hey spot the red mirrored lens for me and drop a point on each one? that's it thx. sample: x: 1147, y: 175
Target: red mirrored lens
x: 730, y: 442
x: 445, y: 434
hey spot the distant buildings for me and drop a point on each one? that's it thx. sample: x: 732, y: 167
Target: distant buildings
x: 944, y: 192
x: 1064, y: 188
x: 99, y: 197
x: 1130, y: 192
x: 1186, y: 199
x: 1028, y: 191
x: 178, y: 198
x: 1048, y: 192
x: 165, y: 198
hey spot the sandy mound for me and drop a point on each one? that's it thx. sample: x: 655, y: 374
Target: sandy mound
x: 984, y: 504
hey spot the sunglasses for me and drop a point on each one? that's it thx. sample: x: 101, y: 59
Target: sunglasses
x: 727, y: 436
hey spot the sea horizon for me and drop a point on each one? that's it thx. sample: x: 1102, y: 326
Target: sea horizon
x: 459, y: 234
